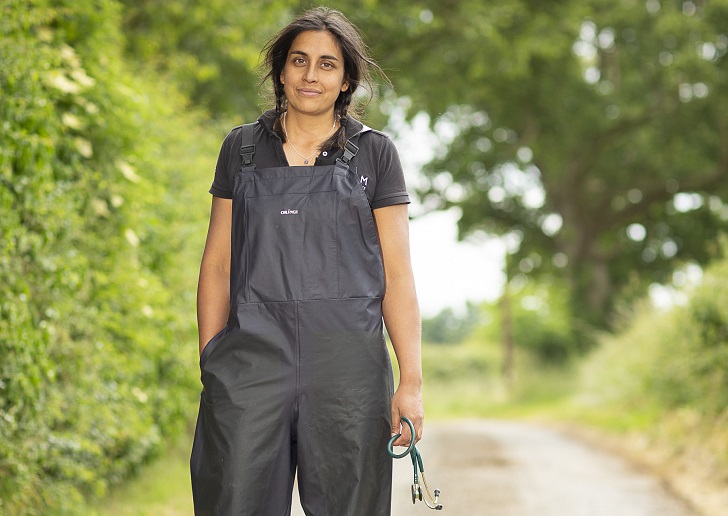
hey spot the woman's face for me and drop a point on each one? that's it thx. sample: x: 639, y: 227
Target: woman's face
x: 313, y: 75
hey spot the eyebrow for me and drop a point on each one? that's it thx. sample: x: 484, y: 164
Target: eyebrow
x: 325, y: 56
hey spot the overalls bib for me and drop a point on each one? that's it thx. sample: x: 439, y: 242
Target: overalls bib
x: 300, y: 377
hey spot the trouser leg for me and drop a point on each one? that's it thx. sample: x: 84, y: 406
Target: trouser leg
x: 243, y: 460
x: 344, y: 407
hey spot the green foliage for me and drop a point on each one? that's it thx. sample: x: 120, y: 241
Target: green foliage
x: 464, y: 381
x: 447, y: 327
x: 612, y: 109
x: 209, y: 49
x: 212, y: 50
x: 96, y: 309
x: 460, y: 380
x: 664, y: 377
x: 672, y: 360
x: 542, y: 323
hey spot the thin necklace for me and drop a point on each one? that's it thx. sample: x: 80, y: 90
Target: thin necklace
x: 305, y: 159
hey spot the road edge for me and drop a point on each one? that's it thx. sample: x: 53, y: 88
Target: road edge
x: 697, y: 489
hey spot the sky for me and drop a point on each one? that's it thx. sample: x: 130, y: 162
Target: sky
x: 448, y: 272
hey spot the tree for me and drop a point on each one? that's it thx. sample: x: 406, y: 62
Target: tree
x: 595, y: 130
x: 209, y: 49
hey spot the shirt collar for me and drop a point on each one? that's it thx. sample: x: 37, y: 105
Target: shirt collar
x: 352, y: 126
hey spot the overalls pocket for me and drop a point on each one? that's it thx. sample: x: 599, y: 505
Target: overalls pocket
x: 210, y: 346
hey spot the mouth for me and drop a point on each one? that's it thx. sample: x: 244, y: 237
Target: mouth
x: 308, y: 93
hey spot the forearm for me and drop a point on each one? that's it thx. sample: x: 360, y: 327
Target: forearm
x: 213, y: 301
x: 402, y: 318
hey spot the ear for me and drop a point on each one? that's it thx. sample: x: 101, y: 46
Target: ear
x: 345, y: 86
x: 283, y: 78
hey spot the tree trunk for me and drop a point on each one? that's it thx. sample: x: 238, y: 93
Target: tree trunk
x: 507, y: 328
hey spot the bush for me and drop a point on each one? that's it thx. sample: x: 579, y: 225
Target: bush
x: 97, y: 275
x: 447, y: 327
x: 541, y: 322
x: 669, y: 359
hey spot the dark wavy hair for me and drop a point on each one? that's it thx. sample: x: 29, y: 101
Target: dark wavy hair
x: 357, y: 63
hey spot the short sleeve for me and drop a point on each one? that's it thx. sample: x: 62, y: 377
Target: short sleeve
x: 222, y: 183
x: 390, y: 188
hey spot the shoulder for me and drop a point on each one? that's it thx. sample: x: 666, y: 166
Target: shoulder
x: 259, y: 133
x: 366, y: 135
x: 376, y: 143
x: 233, y: 135
x: 375, y: 137
x: 379, y: 150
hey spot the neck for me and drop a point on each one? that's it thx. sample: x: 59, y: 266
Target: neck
x: 303, y: 141
x: 306, y: 130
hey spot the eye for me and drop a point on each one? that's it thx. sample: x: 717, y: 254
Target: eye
x: 299, y: 61
x: 327, y: 65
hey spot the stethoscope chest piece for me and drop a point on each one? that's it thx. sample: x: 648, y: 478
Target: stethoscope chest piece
x: 431, y: 501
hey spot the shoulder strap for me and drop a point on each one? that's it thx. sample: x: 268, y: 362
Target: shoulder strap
x: 350, y: 148
x: 248, y: 148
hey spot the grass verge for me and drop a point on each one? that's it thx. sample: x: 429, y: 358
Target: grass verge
x: 161, y: 489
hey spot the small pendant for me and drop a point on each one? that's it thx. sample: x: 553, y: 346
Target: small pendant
x: 305, y: 162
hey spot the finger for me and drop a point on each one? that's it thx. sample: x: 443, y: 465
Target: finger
x: 396, y: 422
x: 418, y: 422
x: 405, y: 430
x: 402, y: 440
x: 406, y: 434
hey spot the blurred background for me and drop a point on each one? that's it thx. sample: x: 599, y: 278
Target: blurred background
x: 568, y: 162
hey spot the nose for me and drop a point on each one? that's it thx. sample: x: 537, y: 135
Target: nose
x: 311, y: 73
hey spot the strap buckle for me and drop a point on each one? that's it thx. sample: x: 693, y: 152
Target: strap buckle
x: 350, y: 151
x: 246, y: 152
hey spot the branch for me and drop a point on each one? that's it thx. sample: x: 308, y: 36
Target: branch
x: 708, y: 182
x: 585, y: 163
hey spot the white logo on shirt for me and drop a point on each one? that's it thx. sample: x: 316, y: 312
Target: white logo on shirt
x: 363, y: 180
x: 289, y: 212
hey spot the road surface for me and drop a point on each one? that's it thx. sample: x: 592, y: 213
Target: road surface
x: 497, y: 468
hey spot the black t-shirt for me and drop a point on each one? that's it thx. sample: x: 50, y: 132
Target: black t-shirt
x: 376, y: 164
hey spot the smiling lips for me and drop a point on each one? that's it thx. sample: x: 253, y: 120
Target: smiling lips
x: 308, y: 93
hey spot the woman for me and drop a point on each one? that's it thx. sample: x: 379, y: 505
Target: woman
x: 306, y: 252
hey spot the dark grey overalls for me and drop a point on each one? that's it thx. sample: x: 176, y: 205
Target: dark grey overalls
x: 300, y: 376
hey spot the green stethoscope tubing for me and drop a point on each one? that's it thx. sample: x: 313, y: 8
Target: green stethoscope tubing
x: 417, y: 466
x: 410, y: 449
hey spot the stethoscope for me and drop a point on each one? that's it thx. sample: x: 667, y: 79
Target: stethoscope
x: 414, y: 454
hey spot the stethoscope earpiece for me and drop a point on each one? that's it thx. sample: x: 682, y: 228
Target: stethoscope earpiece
x: 413, y: 452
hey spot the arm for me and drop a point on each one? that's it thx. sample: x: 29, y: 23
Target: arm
x: 402, y: 317
x: 213, y: 289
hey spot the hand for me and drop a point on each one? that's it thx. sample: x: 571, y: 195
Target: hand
x: 407, y: 401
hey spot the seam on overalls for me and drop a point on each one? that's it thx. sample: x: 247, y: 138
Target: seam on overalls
x: 336, y: 243
x: 298, y: 352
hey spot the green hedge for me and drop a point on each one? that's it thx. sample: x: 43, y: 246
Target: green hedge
x: 668, y: 360
x: 102, y: 212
